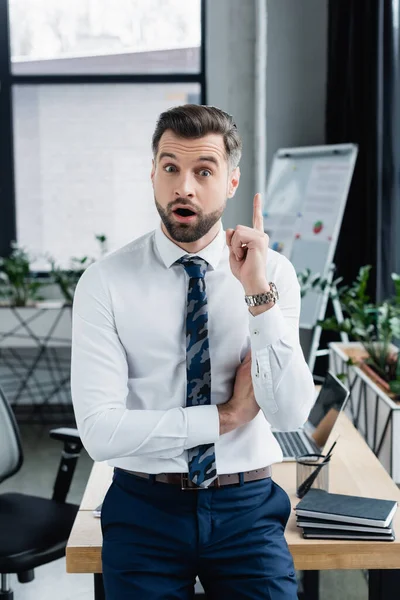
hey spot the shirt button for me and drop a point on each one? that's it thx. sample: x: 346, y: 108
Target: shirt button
x: 256, y: 332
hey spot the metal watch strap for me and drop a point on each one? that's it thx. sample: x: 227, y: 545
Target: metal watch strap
x: 265, y: 298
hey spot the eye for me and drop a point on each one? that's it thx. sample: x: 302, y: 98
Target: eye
x: 205, y: 173
x: 170, y: 169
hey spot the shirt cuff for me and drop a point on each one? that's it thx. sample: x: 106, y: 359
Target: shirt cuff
x: 266, y: 328
x: 202, y: 425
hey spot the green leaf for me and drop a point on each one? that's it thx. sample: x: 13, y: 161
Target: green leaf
x: 396, y: 281
x: 395, y: 386
x: 341, y: 376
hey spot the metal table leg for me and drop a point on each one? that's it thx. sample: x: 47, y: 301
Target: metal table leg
x: 99, y: 593
x: 310, y: 580
x: 383, y: 584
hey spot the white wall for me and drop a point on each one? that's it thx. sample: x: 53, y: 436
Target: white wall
x: 296, y: 73
x: 295, y: 80
x: 230, y: 86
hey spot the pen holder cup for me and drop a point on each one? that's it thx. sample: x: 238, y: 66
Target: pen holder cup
x: 306, y: 466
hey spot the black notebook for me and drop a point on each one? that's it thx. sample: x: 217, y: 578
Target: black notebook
x: 330, y: 534
x: 338, y: 526
x: 347, y: 509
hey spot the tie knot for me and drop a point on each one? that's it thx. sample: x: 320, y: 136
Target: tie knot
x: 194, y: 266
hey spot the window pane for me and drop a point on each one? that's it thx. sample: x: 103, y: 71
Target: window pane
x: 100, y: 36
x: 83, y: 162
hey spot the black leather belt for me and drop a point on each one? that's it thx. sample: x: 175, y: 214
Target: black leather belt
x: 222, y: 480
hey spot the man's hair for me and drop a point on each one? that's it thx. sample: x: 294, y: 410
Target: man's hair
x: 196, y: 121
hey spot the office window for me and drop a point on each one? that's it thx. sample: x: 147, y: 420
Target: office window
x: 104, y: 36
x: 83, y: 82
x: 83, y: 161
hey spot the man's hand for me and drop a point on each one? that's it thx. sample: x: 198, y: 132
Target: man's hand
x: 248, y: 252
x: 242, y: 407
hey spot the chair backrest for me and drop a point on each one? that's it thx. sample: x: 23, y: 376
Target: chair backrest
x: 11, y: 456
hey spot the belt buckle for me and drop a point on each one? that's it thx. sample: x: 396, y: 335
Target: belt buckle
x: 187, y: 484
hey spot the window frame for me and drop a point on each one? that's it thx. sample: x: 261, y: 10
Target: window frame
x: 8, y: 223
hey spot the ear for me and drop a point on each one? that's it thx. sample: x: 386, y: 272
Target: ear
x: 153, y: 170
x: 233, y: 182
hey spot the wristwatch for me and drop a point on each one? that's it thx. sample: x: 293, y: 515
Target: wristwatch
x: 265, y: 298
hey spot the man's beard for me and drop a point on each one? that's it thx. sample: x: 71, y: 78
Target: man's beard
x: 188, y: 232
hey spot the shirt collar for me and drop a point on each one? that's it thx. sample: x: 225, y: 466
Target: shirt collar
x: 170, y: 252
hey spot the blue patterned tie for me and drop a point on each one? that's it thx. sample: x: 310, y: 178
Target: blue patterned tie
x: 202, y: 465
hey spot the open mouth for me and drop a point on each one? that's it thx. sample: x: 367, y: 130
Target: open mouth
x: 184, y: 215
x: 184, y: 212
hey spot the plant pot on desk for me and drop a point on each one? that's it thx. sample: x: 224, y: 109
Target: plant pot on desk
x: 372, y: 410
x: 377, y: 379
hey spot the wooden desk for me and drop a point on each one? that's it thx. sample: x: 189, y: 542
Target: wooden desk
x: 354, y: 469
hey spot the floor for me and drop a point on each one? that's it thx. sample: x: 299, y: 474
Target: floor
x: 37, y: 476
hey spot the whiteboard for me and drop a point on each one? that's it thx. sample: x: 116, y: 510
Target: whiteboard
x: 303, y: 209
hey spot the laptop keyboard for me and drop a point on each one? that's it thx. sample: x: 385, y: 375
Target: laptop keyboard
x: 291, y: 443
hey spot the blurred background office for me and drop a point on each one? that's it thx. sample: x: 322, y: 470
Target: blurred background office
x: 82, y: 83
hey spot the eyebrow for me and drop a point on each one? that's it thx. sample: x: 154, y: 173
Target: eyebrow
x: 210, y: 159
x: 167, y: 155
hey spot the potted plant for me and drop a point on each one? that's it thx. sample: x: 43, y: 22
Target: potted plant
x: 375, y: 326
x: 369, y: 363
x: 18, y: 286
x: 67, y: 279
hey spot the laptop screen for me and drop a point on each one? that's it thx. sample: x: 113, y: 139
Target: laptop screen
x: 323, y: 415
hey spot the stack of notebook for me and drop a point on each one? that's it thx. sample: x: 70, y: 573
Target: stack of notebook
x: 335, y: 516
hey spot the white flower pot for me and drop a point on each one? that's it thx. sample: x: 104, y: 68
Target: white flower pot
x: 372, y: 411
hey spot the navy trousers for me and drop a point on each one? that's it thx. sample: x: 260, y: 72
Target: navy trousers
x: 157, y: 538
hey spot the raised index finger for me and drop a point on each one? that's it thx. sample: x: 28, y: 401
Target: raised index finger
x: 258, y: 221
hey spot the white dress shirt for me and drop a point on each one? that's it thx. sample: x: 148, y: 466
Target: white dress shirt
x: 128, y: 369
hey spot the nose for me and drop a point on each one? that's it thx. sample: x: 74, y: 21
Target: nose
x: 184, y: 186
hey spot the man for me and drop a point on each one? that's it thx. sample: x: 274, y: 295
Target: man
x: 185, y: 350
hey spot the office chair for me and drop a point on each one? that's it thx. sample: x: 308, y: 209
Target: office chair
x: 33, y: 530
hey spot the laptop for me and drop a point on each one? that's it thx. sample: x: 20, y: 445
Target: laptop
x: 313, y: 436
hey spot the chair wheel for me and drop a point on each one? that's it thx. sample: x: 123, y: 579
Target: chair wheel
x: 26, y: 576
